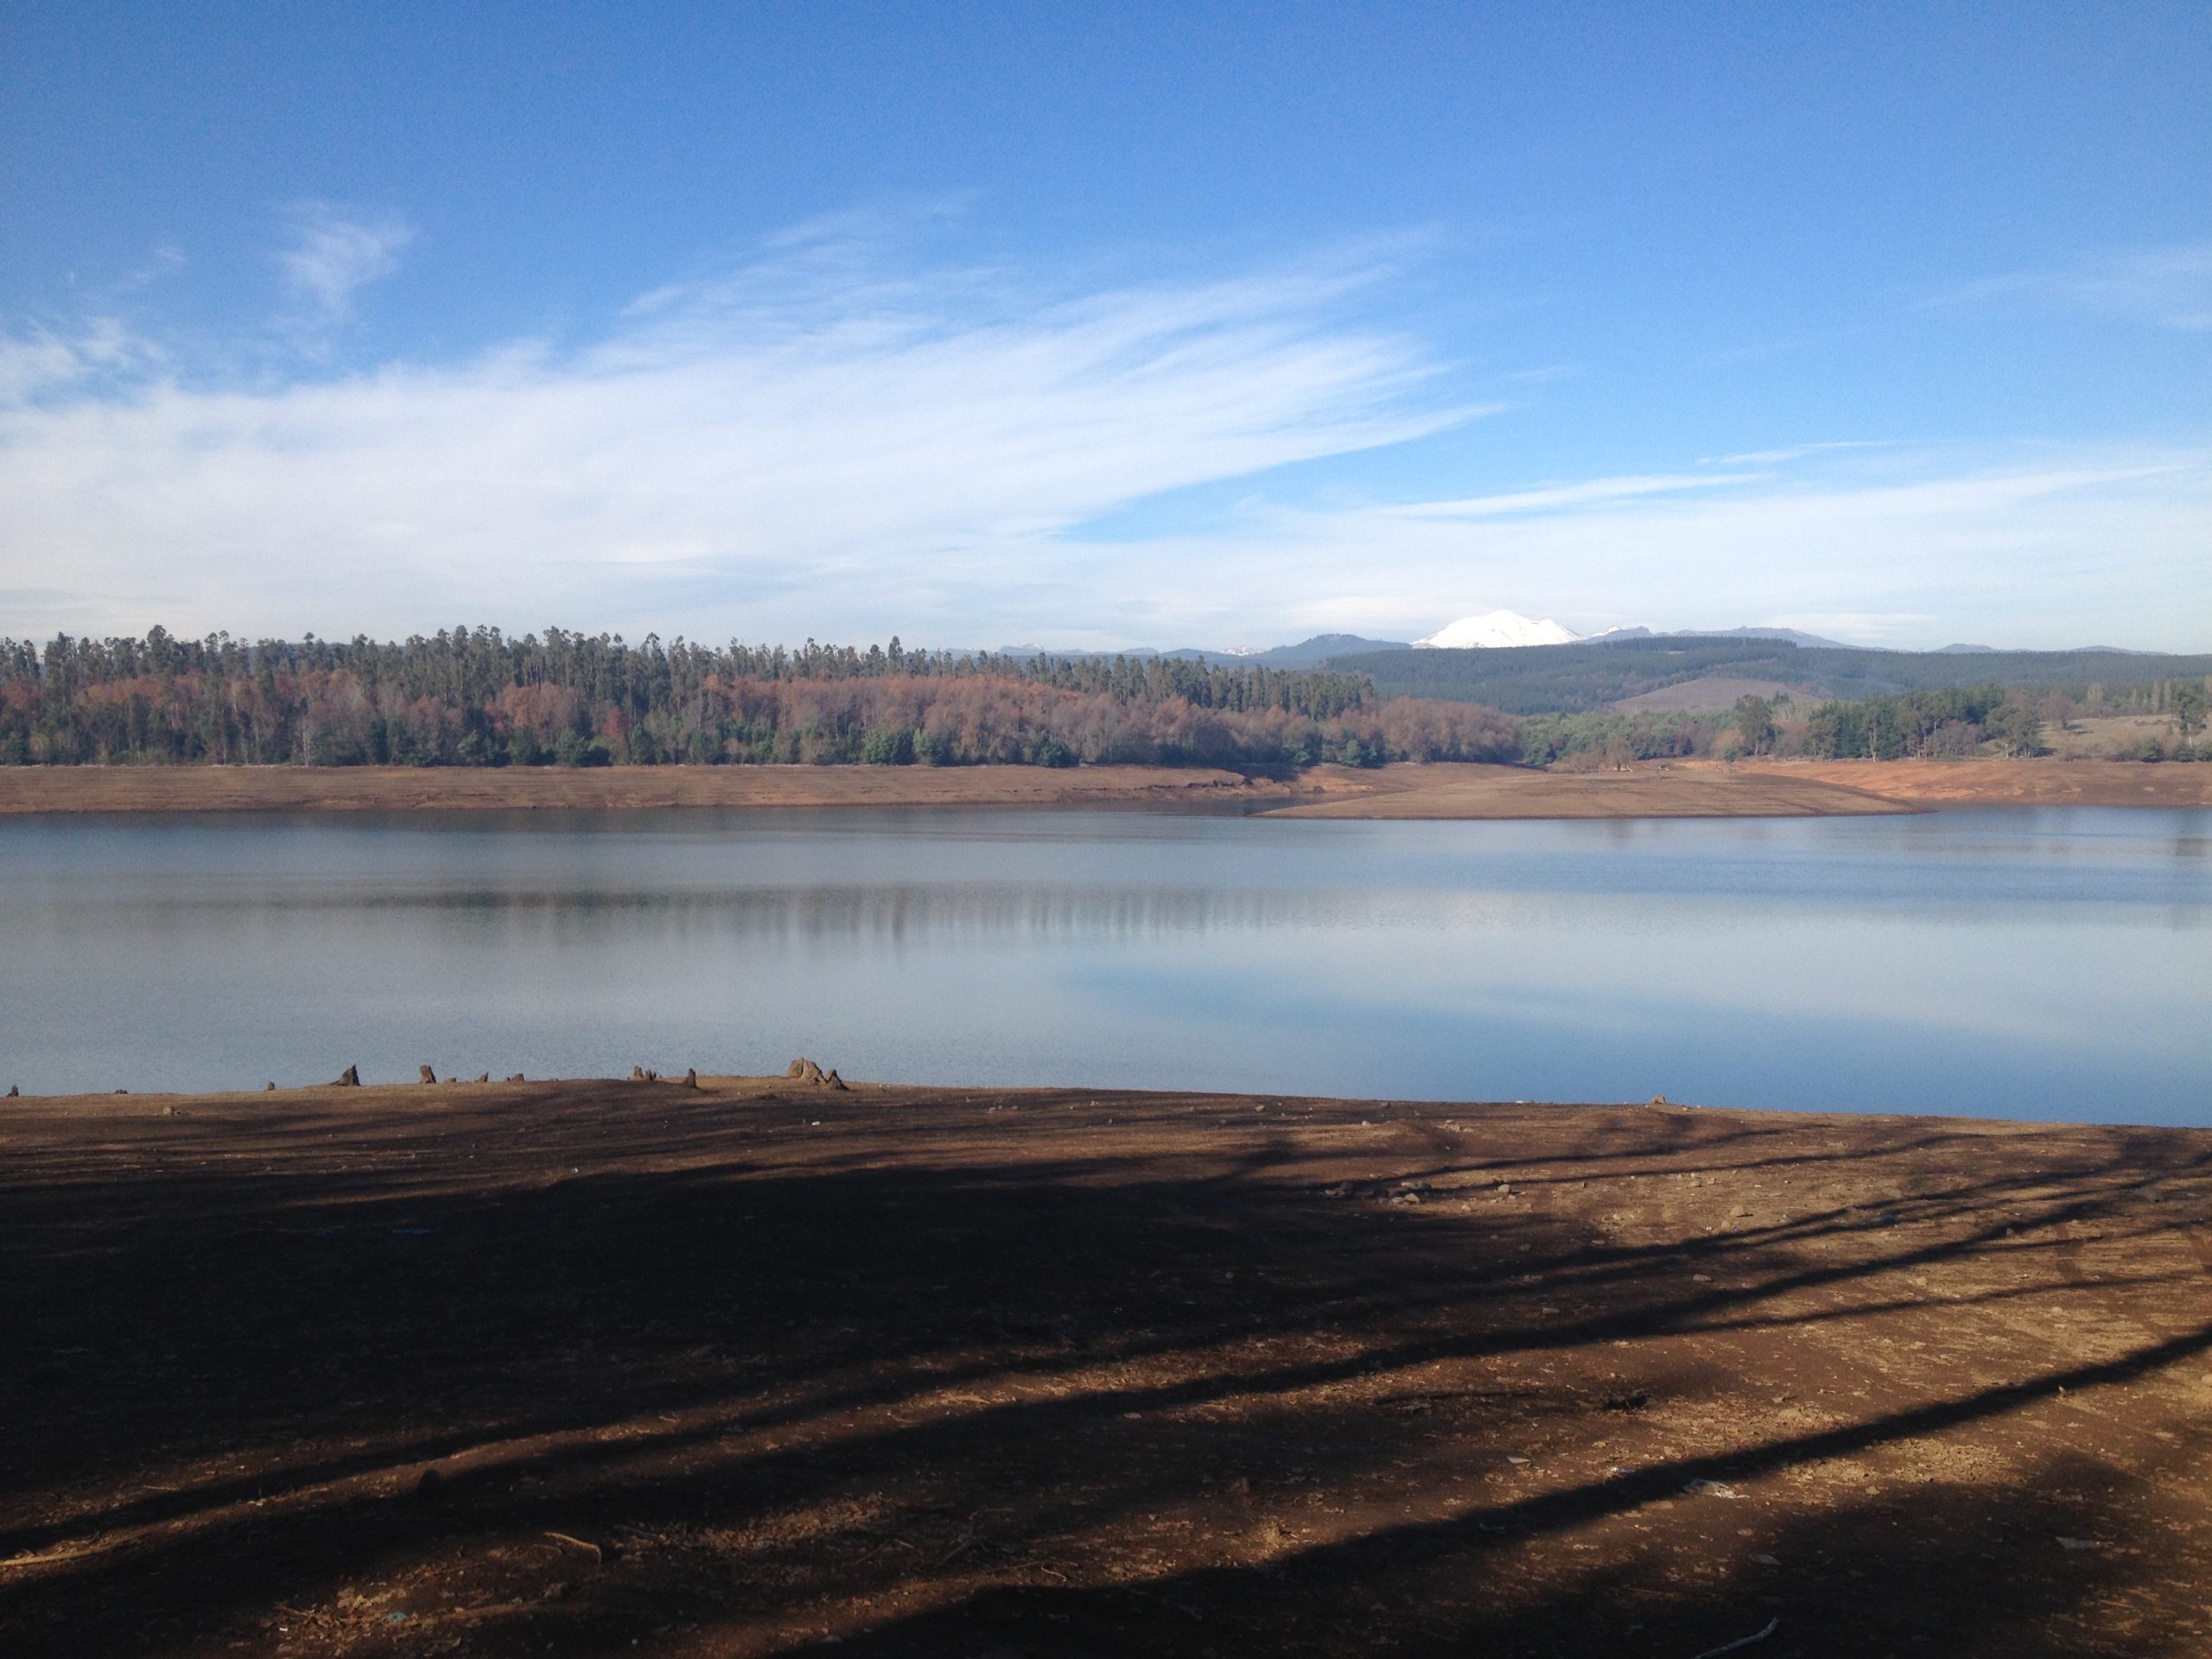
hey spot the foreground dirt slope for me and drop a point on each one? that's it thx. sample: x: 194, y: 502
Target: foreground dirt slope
x: 582, y: 1368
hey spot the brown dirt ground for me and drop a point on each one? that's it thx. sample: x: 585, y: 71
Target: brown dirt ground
x: 1684, y: 789
x: 582, y: 1368
x: 1711, y: 789
x: 2007, y: 783
x: 246, y: 789
x: 1456, y: 791
x: 1709, y: 695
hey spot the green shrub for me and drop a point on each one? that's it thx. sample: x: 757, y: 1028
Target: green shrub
x: 889, y: 745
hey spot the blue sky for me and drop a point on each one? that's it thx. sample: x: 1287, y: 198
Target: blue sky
x: 1108, y: 326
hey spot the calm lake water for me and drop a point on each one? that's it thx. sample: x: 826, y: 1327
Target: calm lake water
x: 2050, y: 962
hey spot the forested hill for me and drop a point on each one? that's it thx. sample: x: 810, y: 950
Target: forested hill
x: 1569, y: 679
x: 475, y: 697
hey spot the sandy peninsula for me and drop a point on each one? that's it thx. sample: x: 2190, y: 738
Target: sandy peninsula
x: 583, y: 1367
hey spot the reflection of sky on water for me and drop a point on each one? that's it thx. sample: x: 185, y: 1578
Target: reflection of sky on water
x: 2038, y: 963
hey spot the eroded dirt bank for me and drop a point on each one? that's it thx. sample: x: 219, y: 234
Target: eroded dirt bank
x: 1445, y: 790
x: 1709, y: 789
x: 1449, y: 790
x: 1682, y: 791
x: 337, y: 789
x: 590, y: 1367
x: 2008, y: 783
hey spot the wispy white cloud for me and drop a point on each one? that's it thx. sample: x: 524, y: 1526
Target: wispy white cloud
x: 2170, y: 286
x: 333, y: 254
x: 2050, y: 548
x: 819, y: 440
x: 1553, y: 497
x: 1794, y: 452
x: 41, y: 362
x: 810, y: 443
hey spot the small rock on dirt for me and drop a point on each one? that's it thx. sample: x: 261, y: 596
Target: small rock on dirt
x: 349, y: 1078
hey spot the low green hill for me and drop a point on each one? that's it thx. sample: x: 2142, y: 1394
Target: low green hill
x: 1568, y: 679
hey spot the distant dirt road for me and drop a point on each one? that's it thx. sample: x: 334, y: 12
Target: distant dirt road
x: 584, y: 1368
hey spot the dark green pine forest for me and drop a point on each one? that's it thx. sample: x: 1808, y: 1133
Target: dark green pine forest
x: 476, y: 697
x: 473, y: 696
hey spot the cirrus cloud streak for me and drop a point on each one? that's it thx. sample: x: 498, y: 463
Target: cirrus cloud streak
x: 813, y: 444
x: 776, y: 453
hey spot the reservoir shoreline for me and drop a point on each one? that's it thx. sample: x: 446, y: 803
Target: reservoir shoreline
x: 1683, y: 789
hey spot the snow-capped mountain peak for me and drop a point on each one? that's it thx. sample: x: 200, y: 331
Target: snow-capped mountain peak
x: 1497, y: 628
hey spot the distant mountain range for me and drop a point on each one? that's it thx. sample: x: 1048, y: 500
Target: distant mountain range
x: 1304, y: 654
x: 1790, y: 635
x: 1492, y: 631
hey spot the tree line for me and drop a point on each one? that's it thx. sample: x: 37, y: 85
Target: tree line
x: 472, y: 696
x: 1944, y: 723
x: 1927, y: 724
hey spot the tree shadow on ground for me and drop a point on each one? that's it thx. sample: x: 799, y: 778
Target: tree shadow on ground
x: 741, y: 1380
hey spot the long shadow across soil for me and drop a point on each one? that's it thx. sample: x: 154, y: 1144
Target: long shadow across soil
x: 570, y: 1368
